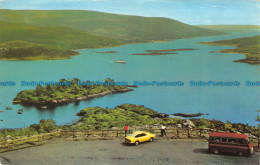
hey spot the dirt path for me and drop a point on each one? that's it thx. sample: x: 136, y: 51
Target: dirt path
x: 116, y: 152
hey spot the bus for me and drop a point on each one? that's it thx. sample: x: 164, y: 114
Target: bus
x: 230, y: 142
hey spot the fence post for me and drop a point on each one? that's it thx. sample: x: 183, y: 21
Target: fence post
x: 177, y: 131
x: 116, y: 133
x: 200, y: 131
x: 188, y: 132
x: 258, y: 143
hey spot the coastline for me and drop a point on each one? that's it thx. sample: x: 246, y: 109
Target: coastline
x: 77, y: 53
x: 66, y: 101
x: 248, y: 50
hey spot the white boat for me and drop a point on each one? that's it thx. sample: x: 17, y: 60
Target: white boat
x: 120, y: 61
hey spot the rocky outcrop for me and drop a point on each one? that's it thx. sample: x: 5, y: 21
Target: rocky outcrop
x: 188, y: 114
x: 160, y: 115
x: 188, y: 124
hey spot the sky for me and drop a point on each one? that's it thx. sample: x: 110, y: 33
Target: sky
x: 194, y: 12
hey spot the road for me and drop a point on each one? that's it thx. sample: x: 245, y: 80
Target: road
x: 115, y: 152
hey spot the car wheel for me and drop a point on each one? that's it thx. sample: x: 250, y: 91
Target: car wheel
x: 137, y: 143
x: 216, y: 151
x: 240, y: 153
x: 151, y: 140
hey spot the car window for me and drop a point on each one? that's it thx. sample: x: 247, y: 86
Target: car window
x: 140, y: 135
x: 137, y: 135
x: 231, y: 140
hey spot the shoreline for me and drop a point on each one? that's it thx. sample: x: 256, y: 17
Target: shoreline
x: 77, y: 53
x: 251, y: 57
x: 66, y: 101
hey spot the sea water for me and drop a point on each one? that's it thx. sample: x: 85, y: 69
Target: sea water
x: 236, y: 103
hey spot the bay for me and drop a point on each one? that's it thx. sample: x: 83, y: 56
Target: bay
x: 236, y: 104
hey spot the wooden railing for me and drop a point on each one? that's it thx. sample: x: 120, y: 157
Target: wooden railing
x: 172, y: 132
x: 8, y: 145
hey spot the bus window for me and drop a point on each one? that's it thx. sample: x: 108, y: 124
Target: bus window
x: 231, y: 140
x: 242, y: 141
x: 215, y: 139
x: 224, y: 140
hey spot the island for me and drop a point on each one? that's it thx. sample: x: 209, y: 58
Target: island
x: 249, y: 46
x: 66, y: 91
x: 108, y: 52
x: 164, y: 51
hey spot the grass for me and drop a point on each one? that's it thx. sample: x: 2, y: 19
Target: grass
x: 249, y: 46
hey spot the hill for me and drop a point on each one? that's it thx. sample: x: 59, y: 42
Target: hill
x: 126, y: 28
x: 21, y: 41
x: 249, y: 46
x: 22, y: 50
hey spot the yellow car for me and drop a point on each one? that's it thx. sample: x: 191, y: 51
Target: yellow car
x: 139, y: 137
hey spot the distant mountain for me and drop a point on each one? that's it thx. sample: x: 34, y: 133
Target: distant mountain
x: 123, y: 27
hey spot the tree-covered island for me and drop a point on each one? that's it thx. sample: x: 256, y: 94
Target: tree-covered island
x: 62, y: 94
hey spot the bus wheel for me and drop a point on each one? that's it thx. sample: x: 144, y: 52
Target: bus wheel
x: 216, y: 151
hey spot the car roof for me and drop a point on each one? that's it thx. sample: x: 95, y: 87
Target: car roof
x: 138, y: 132
x: 228, y: 135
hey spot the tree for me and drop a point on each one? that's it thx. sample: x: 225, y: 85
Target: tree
x: 47, y: 125
x: 258, y: 119
x: 39, y: 90
x: 228, y: 125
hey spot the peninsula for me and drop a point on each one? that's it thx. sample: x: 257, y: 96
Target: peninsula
x: 249, y: 46
x: 55, y: 95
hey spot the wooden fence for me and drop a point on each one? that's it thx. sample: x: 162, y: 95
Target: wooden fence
x: 172, y: 133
